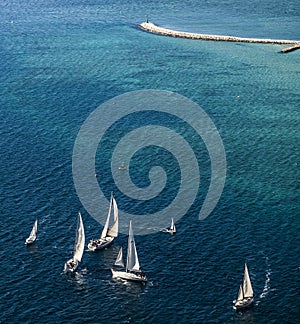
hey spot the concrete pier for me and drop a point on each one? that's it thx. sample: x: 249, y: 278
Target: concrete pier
x: 152, y: 28
x: 290, y: 49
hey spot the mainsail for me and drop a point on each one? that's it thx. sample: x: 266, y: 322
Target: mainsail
x: 132, y: 257
x: 33, y: 232
x: 113, y: 231
x: 173, y: 228
x: 247, y: 287
x: 80, y: 240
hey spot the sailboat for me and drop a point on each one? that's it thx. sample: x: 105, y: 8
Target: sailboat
x: 122, y: 167
x: 108, y: 233
x: 245, y: 296
x: 72, y: 264
x: 32, y: 237
x: 132, y: 271
x: 171, y: 229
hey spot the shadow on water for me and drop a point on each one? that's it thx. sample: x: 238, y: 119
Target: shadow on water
x: 33, y: 248
x: 245, y: 316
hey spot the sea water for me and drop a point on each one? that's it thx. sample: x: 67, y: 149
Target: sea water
x: 60, y: 60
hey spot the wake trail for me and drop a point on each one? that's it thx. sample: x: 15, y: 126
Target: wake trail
x: 267, y: 286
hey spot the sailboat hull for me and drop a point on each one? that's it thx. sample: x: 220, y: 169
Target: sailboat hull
x: 171, y: 229
x: 100, y: 244
x: 244, y: 303
x: 70, y: 266
x: 131, y: 276
x: 29, y: 241
x: 168, y: 230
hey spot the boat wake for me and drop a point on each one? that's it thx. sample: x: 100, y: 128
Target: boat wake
x: 267, y: 286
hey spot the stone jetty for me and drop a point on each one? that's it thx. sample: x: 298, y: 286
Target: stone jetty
x: 290, y: 49
x: 152, y: 28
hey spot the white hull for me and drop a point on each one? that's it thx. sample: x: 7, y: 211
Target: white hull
x: 100, y: 244
x: 122, y: 167
x: 168, y: 230
x: 140, y: 277
x: 29, y: 241
x: 70, y: 266
x: 244, y: 303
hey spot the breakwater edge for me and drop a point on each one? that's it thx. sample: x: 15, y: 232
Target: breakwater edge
x: 152, y: 28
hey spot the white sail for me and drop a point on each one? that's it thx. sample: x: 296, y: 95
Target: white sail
x: 80, y: 240
x: 32, y: 236
x: 33, y: 232
x: 119, y: 261
x: 105, y: 228
x: 241, y: 293
x: 132, y: 257
x: 173, y: 228
x: 247, y: 287
x: 113, y: 230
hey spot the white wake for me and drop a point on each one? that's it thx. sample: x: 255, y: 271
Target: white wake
x: 267, y: 286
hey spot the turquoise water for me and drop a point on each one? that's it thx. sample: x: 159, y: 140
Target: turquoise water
x: 60, y: 61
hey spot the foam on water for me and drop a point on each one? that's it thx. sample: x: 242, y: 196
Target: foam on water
x: 267, y: 286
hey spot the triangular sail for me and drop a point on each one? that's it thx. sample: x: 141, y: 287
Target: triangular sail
x: 80, y: 240
x: 240, y: 294
x: 113, y: 230
x: 105, y: 228
x: 173, y: 228
x: 119, y: 261
x: 33, y: 232
x: 132, y: 257
x: 247, y: 287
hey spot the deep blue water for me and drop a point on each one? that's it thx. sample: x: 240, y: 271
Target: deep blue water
x: 60, y: 60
